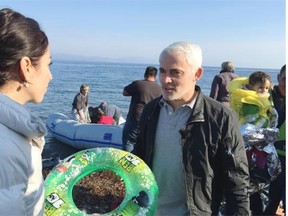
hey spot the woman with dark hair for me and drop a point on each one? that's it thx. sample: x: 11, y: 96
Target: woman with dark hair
x: 24, y: 77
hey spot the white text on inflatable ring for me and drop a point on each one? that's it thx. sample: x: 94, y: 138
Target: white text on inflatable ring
x: 128, y: 162
x: 54, y: 201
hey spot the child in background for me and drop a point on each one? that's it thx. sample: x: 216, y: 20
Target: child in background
x: 111, y: 110
x: 251, y: 99
x: 97, y: 115
x: 259, y: 112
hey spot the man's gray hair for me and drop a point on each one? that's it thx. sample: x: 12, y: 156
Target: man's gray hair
x: 192, y: 52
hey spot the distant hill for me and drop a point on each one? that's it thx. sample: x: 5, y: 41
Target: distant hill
x: 141, y: 60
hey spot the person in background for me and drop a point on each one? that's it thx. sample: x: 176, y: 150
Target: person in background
x: 80, y: 105
x: 191, y: 142
x: 111, y: 110
x: 24, y: 77
x: 277, y: 189
x: 257, y: 112
x: 141, y: 92
x: 221, y: 81
x: 97, y: 116
x: 252, y: 111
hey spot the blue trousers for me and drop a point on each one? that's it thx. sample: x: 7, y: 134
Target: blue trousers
x: 129, y: 135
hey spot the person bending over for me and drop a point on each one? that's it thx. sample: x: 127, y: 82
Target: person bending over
x: 80, y: 105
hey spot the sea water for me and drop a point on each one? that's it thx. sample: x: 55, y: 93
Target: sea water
x: 106, y: 82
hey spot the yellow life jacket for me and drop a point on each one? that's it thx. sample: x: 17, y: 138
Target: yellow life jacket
x: 238, y: 96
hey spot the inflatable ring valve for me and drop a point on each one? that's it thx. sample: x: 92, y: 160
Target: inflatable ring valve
x: 137, y: 176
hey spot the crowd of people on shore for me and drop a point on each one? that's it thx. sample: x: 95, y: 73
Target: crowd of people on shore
x: 203, y: 151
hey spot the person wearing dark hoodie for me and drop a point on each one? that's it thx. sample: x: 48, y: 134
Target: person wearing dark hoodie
x: 220, y: 82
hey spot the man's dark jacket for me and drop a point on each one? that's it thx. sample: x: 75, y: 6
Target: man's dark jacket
x: 214, y: 157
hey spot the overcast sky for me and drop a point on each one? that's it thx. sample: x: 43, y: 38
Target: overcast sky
x: 251, y: 33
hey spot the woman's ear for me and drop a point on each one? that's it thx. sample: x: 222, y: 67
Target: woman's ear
x: 25, y: 67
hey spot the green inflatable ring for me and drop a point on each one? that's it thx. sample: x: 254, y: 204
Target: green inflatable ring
x: 138, y: 179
